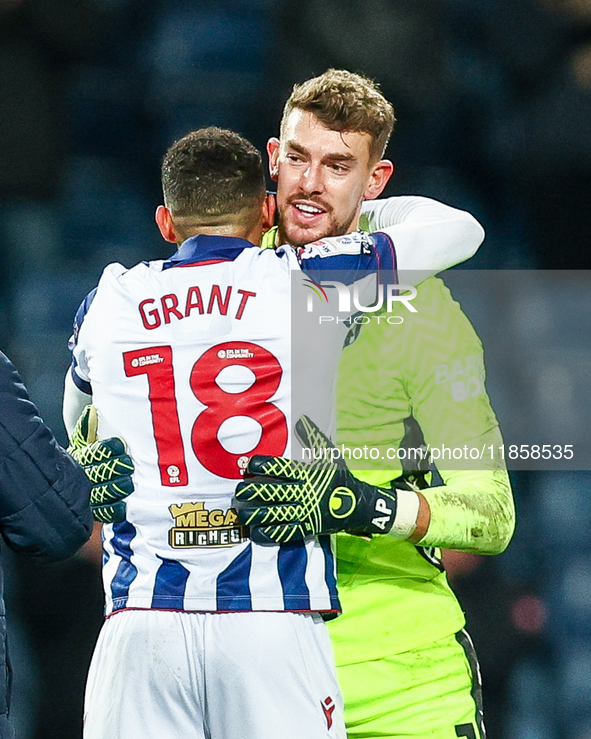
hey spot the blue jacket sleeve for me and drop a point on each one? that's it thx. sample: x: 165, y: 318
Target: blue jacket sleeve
x: 44, y: 494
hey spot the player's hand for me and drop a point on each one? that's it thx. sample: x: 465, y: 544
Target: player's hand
x: 107, y: 466
x: 287, y: 500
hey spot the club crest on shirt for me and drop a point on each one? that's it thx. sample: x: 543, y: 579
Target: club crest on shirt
x: 197, y: 527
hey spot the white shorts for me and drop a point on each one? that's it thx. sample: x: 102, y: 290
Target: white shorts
x: 179, y: 675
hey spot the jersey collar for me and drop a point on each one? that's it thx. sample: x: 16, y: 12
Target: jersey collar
x: 202, y: 249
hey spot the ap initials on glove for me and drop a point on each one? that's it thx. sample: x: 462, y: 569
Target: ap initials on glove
x: 288, y: 500
x: 107, y: 466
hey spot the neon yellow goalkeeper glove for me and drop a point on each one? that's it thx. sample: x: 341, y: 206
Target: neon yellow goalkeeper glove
x: 287, y: 500
x: 107, y: 466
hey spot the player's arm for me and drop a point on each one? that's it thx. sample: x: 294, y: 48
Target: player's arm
x: 473, y: 512
x: 367, y: 261
x: 347, y: 256
x: 74, y: 402
x: 413, y: 236
x: 288, y: 500
x: 428, y: 235
x: 104, y: 461
x: 77, y: 388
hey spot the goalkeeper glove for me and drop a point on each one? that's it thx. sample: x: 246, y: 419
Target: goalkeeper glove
x: 106, y: 465
x: 288, y: 500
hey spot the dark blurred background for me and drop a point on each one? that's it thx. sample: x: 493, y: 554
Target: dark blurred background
x: 493, y: 102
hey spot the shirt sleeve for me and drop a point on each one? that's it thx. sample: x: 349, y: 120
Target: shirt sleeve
x: 78, y: 369
x: 428, y: 235
x: 367, y: 263
x: 350, y: 257
x: 473, y: 512
x: 75, y: 400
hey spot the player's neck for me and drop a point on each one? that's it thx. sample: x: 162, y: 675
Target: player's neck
x: 229, y: 229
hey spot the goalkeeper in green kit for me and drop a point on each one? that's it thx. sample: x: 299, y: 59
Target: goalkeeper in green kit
x: 406, y: 666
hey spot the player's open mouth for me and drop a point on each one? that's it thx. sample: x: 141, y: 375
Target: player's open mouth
x: 308, y: 208
x: 307, y: 212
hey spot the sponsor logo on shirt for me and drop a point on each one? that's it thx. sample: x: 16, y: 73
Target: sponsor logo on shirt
x: 146, y: 360
x: 197, y: 527
x: 235, y: 354
x: 465, y: 377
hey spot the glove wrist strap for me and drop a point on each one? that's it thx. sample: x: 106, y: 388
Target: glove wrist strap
x: 407, y: 511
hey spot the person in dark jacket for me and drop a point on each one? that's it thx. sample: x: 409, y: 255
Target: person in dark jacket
x: 44, y: 497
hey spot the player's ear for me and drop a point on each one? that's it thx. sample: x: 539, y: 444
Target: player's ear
x: 163, y: 218
x: 273, y: 145
x: 269, y: 210
x: 379, y: 175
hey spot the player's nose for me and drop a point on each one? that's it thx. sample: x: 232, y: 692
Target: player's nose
x: 311, y: 180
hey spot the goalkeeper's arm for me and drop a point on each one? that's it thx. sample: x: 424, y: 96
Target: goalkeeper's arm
x: 287, y: 500
x: 473, y: 512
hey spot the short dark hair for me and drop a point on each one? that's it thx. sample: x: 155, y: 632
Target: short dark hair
x: 212, y: 173
x: 345, y: 101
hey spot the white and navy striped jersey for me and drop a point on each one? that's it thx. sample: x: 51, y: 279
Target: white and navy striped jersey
x: 198, y: 362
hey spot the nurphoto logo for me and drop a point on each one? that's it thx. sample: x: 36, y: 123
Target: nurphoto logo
x: 317, y: 290
x: 390, y: 295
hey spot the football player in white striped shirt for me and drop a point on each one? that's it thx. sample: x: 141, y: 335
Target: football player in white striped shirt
x: 190, y: 360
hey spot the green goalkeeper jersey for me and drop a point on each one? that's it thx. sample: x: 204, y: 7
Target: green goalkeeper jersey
x: 398, y: 383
